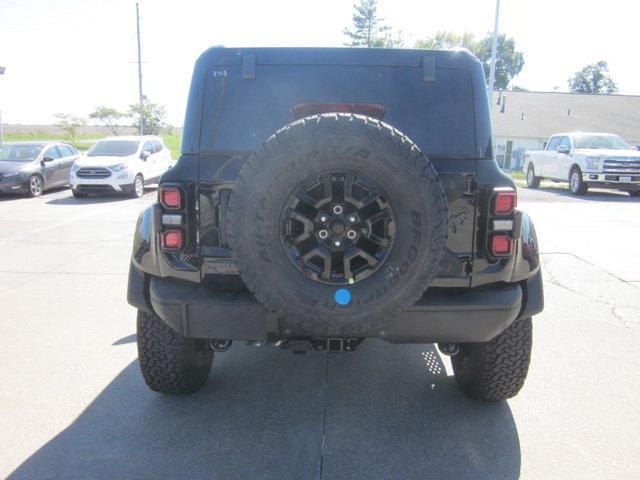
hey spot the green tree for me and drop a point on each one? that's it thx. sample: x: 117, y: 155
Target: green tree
x: 388, y: 41
x: 509, y: 61
x: 593, y: 78
x: 153, y: 116
x: 69, y: 124
x: 368, y: 30
x: 109, y: 116
x: 445, y: 40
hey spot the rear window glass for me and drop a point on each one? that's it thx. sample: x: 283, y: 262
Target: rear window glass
x: 438, y: 116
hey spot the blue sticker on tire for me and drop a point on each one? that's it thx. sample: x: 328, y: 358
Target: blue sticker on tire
x: 342, y: 296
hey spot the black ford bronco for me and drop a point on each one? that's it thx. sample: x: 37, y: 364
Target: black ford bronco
x: 326, y: 196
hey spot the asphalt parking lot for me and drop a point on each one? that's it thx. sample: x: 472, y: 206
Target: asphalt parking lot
x: 73, y: 404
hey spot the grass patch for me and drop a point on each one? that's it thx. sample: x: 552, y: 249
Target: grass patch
x: 516, y: 175
x: 173, y: 141
x: 85, y: 142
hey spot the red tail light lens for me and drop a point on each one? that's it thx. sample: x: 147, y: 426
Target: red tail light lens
x: 170, y: 198
x: 375, y: 110
x: 504, y: 203
x: 501, y: 246
x: 172, y: 240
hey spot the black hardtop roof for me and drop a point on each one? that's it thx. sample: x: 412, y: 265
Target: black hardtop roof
x: 336, y: 56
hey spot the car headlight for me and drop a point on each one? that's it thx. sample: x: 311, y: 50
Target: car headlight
x: 593, y: 163
x: 118, y: 167
x: 10, y: 174
x: 74, y: 168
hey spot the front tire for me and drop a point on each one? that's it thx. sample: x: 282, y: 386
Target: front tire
x: 497, y: 369
x: 576, y: 185
x: 137, y: 190
x: 171, y: 363
x: 78, y: 194
x: 532, y: 180
x: 35, y: 186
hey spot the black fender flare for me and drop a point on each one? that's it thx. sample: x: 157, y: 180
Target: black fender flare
x: 526, y: 268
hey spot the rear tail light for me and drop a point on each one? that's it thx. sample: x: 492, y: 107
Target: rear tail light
x: 501, y: 246
x: 172, y: 240
x: 375, y: 110
x: 170, y: 198
x: 504, y: 203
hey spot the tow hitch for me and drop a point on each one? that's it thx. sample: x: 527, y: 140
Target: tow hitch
x: 303, y: 345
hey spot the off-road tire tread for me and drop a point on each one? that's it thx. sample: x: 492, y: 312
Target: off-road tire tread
x: 167, y: 359
x: 438, y: 230
x: 497, y: 369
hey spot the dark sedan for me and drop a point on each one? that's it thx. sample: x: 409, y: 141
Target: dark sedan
x: 33, y: 167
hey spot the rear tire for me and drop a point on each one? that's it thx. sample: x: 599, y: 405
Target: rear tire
x: 137, y: 189
x: 576, y: 185
x: 532, y: 180
x: 78, y: 194
x: 171, y: 363
x: 497, y: 369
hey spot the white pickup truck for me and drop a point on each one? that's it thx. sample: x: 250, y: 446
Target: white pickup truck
x: 585, y: 160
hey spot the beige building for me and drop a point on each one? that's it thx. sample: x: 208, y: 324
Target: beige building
x: 525, y: 120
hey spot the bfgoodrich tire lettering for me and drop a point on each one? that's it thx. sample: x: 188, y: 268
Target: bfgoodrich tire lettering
x: 309, y: 148
x: 171, y: 363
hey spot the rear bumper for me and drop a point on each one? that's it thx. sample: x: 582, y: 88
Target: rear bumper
x: 441, y: 315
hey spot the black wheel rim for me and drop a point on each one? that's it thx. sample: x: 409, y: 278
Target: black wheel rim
x: 338, y: 228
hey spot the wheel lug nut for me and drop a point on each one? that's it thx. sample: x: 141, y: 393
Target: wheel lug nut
x: 337, y: 209
x: 323, y: 234
x: 323, y: 218
x: 351, y: 234
x: 352, y: 219
x: 337, y: 243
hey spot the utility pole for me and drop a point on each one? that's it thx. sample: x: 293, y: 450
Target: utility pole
x: 494, y: 47
x: 140, y: 70
x: 1, y: 139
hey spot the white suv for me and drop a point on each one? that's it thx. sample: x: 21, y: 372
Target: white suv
x: 120, y: 164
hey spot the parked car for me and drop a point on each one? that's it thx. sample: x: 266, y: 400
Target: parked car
x: 585, y: 160
x: 376, y: 211
x: 33, y: 167
x: 120, y: 164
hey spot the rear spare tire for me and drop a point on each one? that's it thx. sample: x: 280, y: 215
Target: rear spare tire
x: 338, y: 223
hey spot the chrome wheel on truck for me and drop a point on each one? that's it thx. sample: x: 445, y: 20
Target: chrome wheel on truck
x: 576, y: 185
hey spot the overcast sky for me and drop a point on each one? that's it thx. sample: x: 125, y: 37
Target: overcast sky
x: 72, y: 55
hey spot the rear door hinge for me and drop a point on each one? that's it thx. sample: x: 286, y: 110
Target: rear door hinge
x: 471, y: 186
x: 467, y: 265
x: 248, y: 65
